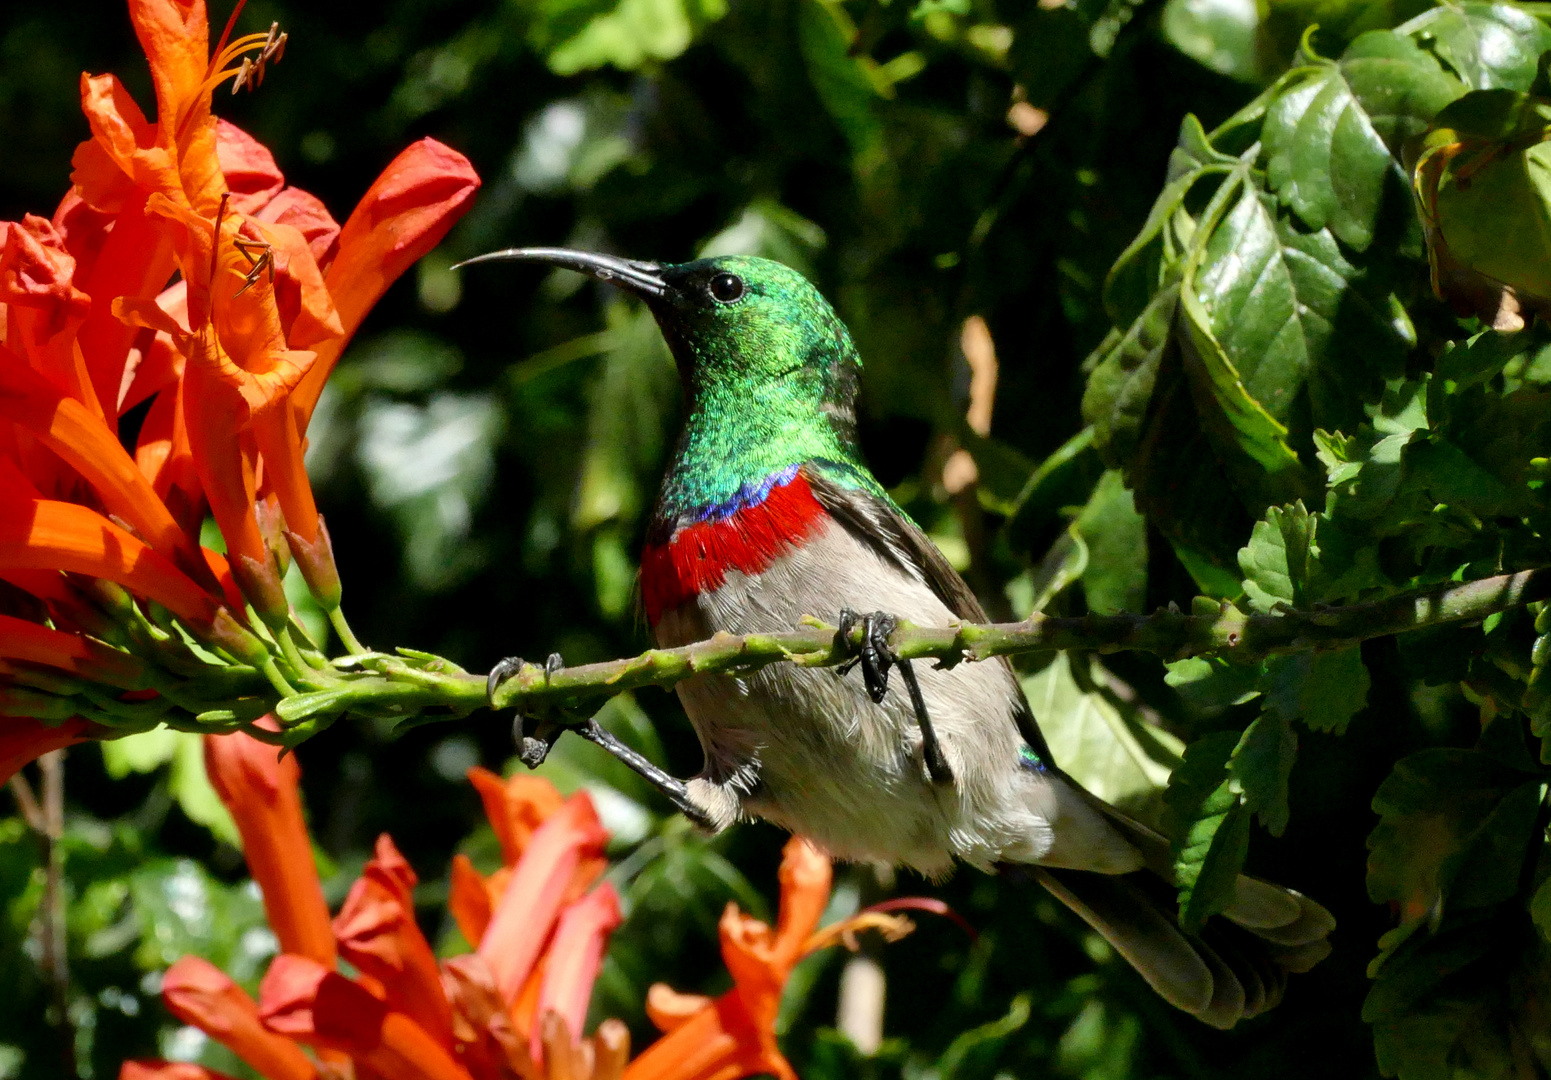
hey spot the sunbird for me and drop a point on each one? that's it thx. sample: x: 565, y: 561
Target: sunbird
x: 768, y: 514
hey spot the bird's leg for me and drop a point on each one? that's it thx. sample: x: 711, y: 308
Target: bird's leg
x: 534, y: 748
x: 876, y: 657
x: 674, y: 789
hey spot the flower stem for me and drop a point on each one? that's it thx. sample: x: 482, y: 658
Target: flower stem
x: 336, y: 616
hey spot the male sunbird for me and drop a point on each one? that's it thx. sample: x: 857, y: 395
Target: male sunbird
x: 768, y: 514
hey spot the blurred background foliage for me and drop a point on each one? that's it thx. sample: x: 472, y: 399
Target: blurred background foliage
x: 489, y: 447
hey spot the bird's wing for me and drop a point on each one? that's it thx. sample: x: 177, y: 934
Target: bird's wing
x: 875, y: 520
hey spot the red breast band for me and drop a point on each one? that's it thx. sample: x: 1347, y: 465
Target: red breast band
x: 698, y: 556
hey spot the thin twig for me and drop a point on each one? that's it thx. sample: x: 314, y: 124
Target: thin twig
x: 46, y: 818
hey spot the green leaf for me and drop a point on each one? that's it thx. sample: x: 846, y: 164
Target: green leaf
x: 1106, y: 743
x: 1278, y: 299
x: 187, y: 780
x: 182, y: 911
x: 1208, y: 827
x: 1209, y: 684
x: 1220, y: 34
x: 1260, y: 766
x: 626, y: 35
x: 1124, y: 371
x: 1540, y: 909
x: 1337, y: 20
x: 1453, y: 832
x: 1496, y: 173
x: 1116, y: 537
x: 1486, y: 46
x: 1325, y: 160
x: 1323, y: 689
x: 1278, y: 560
x: 841, y: 80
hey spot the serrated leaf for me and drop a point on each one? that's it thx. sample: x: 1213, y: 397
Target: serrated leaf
x: 1208, y: 827
x: 1324, y: 689
x: 1279, y: 299
x: 1278, y: 560
x: 1212, y: 683
x: 1123, y: 375
x: 1260, y: 766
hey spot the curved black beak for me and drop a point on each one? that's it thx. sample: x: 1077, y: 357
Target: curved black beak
x: 641, y: 278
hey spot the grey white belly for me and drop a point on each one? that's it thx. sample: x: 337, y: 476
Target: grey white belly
x: 807, y: 749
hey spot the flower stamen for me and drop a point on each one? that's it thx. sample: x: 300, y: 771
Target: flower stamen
x: 258, y: 264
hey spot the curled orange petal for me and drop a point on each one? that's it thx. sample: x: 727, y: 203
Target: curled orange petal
x: 23, y: 739
x: 198, y: 993
x: 42, y: 534
x: 81, y: 438
x: 168, y: 1070
x: 376, y: 931
x: 468, y: 900
x: 307, y: 1001
x: 516, y: 806
x: 35, y: 644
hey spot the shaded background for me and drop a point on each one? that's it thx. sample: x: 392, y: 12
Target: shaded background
x: 489, y: 447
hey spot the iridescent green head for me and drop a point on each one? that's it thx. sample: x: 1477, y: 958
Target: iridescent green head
x: 769, y: 369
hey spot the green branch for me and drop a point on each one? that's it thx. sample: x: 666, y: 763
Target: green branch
x: 1221, y: 629
x: 411, y: 688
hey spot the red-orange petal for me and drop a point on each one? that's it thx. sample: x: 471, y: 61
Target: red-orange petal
x: 516, y: 806
x: 42, y: 534
x: 376, y: 931
x: 199, y: 993
x: 35, y: 644
x: 46, y: 309
x: 262, y: 792
x: 250, y: 170
x: 168, y: 1070
x: 717, y: 1043
x: 468, y: 900
x: 23, y: 739
x: 573, y: 961
x: 305, y: 1000
x: 521, y: 922
x: 403, y: 215
x: 78, y: 435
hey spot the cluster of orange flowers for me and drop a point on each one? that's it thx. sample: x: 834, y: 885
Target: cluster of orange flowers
x: 515, y: 1007
x: 180, y: 277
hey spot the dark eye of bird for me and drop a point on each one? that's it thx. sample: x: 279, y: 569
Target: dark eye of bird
x: 726, y: 288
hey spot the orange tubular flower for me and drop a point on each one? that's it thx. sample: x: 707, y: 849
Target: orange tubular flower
x: 182, y: 276
x: 261, y: 791
x: 734, y: 1036
x: 406, y: 1017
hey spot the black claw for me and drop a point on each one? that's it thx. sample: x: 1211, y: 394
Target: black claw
x: 533, y: 746
x: 552, y: 665
x: 503, y: 670
x: 876, y: 658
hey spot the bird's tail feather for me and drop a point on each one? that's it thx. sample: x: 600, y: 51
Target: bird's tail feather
x: 1235, y: 968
